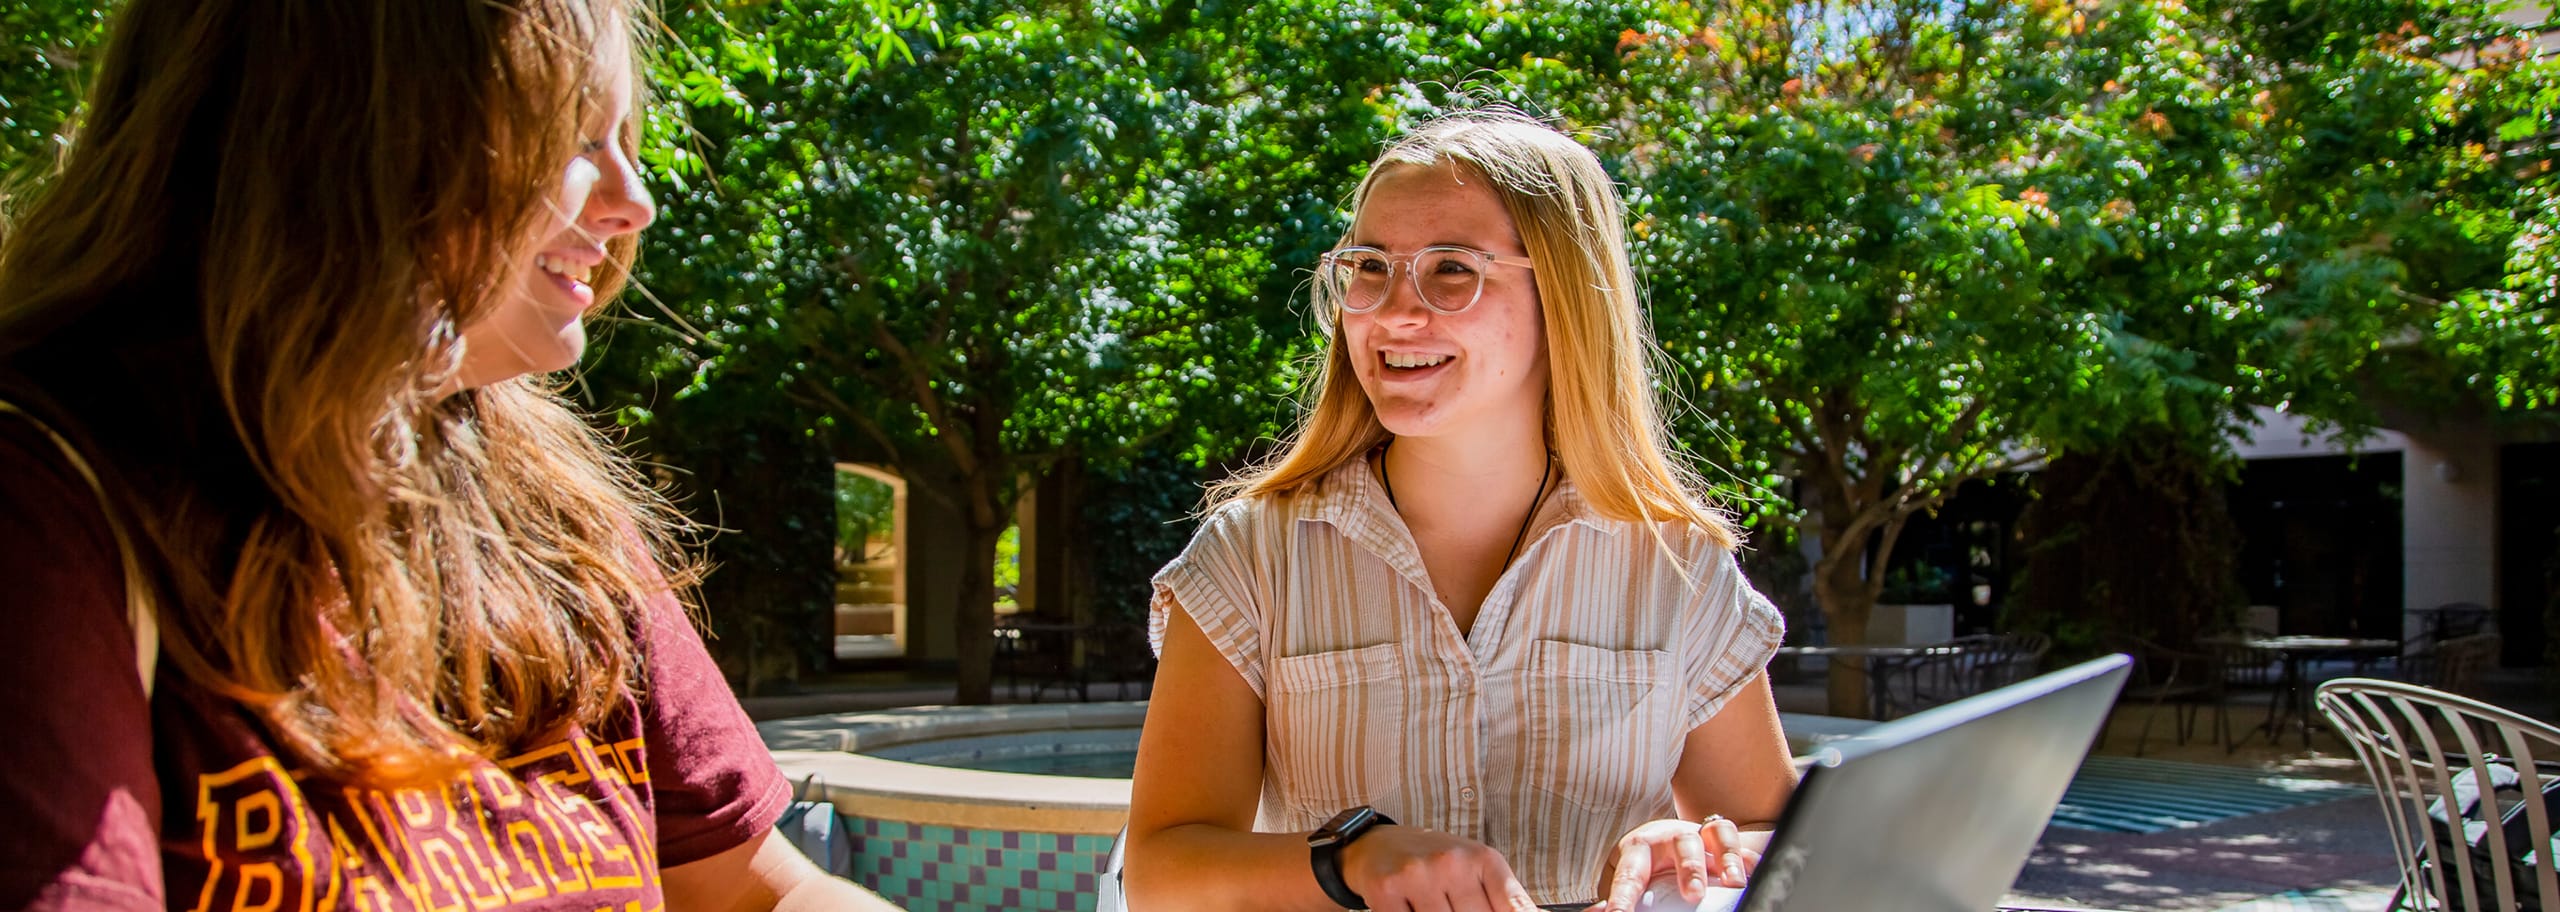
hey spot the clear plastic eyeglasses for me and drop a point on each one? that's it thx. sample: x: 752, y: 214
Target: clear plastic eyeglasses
x: 1449, y: 278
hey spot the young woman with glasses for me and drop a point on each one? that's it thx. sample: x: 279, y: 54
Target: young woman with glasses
x: 1473, y: 640
x: 320, y: 596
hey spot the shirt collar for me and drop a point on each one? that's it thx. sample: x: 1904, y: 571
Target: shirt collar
x: 1350, y: 498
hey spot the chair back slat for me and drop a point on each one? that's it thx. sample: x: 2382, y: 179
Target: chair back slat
x: 2420, y: 746
x: 2529, y: 765
x: 2465, y: 871
x: 2409, y: 729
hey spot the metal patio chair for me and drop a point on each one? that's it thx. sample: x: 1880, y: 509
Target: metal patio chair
x: 1982, y: 663
x: 2461, y: 846
x: 2452, y: 665
x: 2185, y: 682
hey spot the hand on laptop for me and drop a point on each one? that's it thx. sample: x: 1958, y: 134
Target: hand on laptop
x: 1695, y: 856
x: 1396, y: 867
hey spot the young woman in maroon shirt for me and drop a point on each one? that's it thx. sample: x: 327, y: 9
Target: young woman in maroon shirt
x: 320, y: 596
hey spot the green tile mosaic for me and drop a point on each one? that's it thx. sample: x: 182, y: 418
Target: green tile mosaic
x: 950, y: 869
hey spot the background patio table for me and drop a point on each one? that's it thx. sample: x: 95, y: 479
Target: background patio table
x: 2293, y: 693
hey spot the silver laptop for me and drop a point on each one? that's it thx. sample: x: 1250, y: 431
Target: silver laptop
x: 1932, y: 812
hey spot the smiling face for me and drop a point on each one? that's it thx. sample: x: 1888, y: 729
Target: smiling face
x: 1429, y: 374
x: 540, y: 327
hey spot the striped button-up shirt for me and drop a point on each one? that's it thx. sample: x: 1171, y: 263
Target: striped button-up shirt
x: 1547, y: 731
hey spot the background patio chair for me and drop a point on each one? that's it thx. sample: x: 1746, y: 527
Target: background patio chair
x: 1117, y: 654
x: 2456, y: 619
x: 1041, y: 651
x: 2002, y: 659
x: 2186, y: 682
x: 2460, y: 846
x: 1979, y: 663
x: 2244, y: 667
x: 2451, y: 665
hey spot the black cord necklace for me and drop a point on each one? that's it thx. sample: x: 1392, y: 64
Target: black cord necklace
x: 1545, y: 472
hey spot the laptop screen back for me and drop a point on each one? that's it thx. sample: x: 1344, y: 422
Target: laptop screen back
x: 1936, y: 811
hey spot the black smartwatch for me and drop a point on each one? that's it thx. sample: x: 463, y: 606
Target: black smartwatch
x: 1324, y: 851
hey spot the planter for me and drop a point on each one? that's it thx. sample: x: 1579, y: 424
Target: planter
x: 1898, y: 625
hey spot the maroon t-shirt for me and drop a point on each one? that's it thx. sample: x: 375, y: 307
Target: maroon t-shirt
x: 112, y: 801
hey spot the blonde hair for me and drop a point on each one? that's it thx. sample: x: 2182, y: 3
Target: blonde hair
x: 1603, y: 419
x: 242, y: 292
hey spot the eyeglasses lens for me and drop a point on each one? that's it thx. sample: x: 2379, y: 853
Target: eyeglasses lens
x: 1356, y: 279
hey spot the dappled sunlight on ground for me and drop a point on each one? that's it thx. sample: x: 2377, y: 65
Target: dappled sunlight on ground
x: 2332, y: 848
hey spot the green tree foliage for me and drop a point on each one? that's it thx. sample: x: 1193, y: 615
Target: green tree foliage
x: 2400, y: 151
x: 1833, y: 205
x: 968, y: 273
x: 42, y: 43
x: 1900, y: 245
x: 2366, y: 163
x: 1044, y: 233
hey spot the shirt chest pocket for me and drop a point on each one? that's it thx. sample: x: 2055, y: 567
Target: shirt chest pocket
x: 1337, y: 727
x: 1598, y: 735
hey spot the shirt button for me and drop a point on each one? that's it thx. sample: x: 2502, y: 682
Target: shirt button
x: 1468, y: 793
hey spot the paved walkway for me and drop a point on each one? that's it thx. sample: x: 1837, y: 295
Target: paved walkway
x: 2262, y: 863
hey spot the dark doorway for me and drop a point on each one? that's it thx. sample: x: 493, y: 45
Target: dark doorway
x: 1968, y: 546
x: 2528, y: 545
x: 2321, y: 541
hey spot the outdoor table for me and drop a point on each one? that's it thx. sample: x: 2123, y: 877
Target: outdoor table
x: 2293, y: 693
x: 1882, y: 663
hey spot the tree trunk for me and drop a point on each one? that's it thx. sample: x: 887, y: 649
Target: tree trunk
x: 973, y: 624
x: 1840, y: 587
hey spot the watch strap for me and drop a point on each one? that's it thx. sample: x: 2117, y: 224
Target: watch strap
x: 1327, y: 861
x: 1325, y: 856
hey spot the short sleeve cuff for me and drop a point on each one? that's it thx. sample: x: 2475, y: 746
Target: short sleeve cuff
x: 721, y: 832
x: 1229, y: 628
x: 1758, y: 629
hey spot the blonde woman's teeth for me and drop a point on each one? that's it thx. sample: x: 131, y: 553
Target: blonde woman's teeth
x: 1395, y: 359
x: 565, y: 269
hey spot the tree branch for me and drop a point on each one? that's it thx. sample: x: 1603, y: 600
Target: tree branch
x: 920, y: 385
x: 826, y: 400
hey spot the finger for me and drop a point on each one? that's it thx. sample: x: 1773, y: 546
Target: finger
x: 1691, y: 849
x: 1728, y: 834
x: 1518, y: 897
x: 1729, y: 841
x: 1635, y: 866
x: 1508, y: 892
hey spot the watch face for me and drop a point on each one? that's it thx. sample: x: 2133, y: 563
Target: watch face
x: 1343, y: 825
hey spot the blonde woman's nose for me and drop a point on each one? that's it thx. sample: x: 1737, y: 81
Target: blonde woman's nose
x: 1403, y: 303
x: 619, y: 201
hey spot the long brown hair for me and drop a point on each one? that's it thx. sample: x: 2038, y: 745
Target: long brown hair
x: 1602, y: 417
x: 243, y: 290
